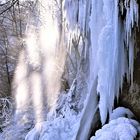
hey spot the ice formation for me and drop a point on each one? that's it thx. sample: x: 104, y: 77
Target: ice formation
x: 104, y: 42
x: 121, y: 112
x: 108, y: 35
x: 119, y: 127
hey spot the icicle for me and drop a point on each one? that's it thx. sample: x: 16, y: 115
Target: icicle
x: 111, y: 63
x: 131, y: 19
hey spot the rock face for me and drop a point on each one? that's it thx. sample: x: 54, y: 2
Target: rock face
x: 131, y: 96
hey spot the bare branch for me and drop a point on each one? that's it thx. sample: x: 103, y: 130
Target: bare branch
x: 13, y: 3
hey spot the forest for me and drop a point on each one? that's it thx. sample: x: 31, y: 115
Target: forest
x: 69, y: 70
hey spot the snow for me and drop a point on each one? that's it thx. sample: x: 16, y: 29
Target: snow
x: 121, y: 112
x: 60, y: 129
x: 61, y: 125
x: 118, y: 129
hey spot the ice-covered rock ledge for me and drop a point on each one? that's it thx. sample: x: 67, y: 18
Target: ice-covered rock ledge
x: 119, y: 127
x: 60, y: 128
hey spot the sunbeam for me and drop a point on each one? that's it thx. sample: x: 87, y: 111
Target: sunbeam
x: 43, y: 64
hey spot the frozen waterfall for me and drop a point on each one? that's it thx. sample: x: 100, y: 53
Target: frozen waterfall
x: 94, y: 39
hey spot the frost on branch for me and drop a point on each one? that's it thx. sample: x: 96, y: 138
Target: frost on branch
x: 6, y: 111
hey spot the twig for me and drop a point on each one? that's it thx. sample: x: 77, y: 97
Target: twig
x: 14, y: 2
